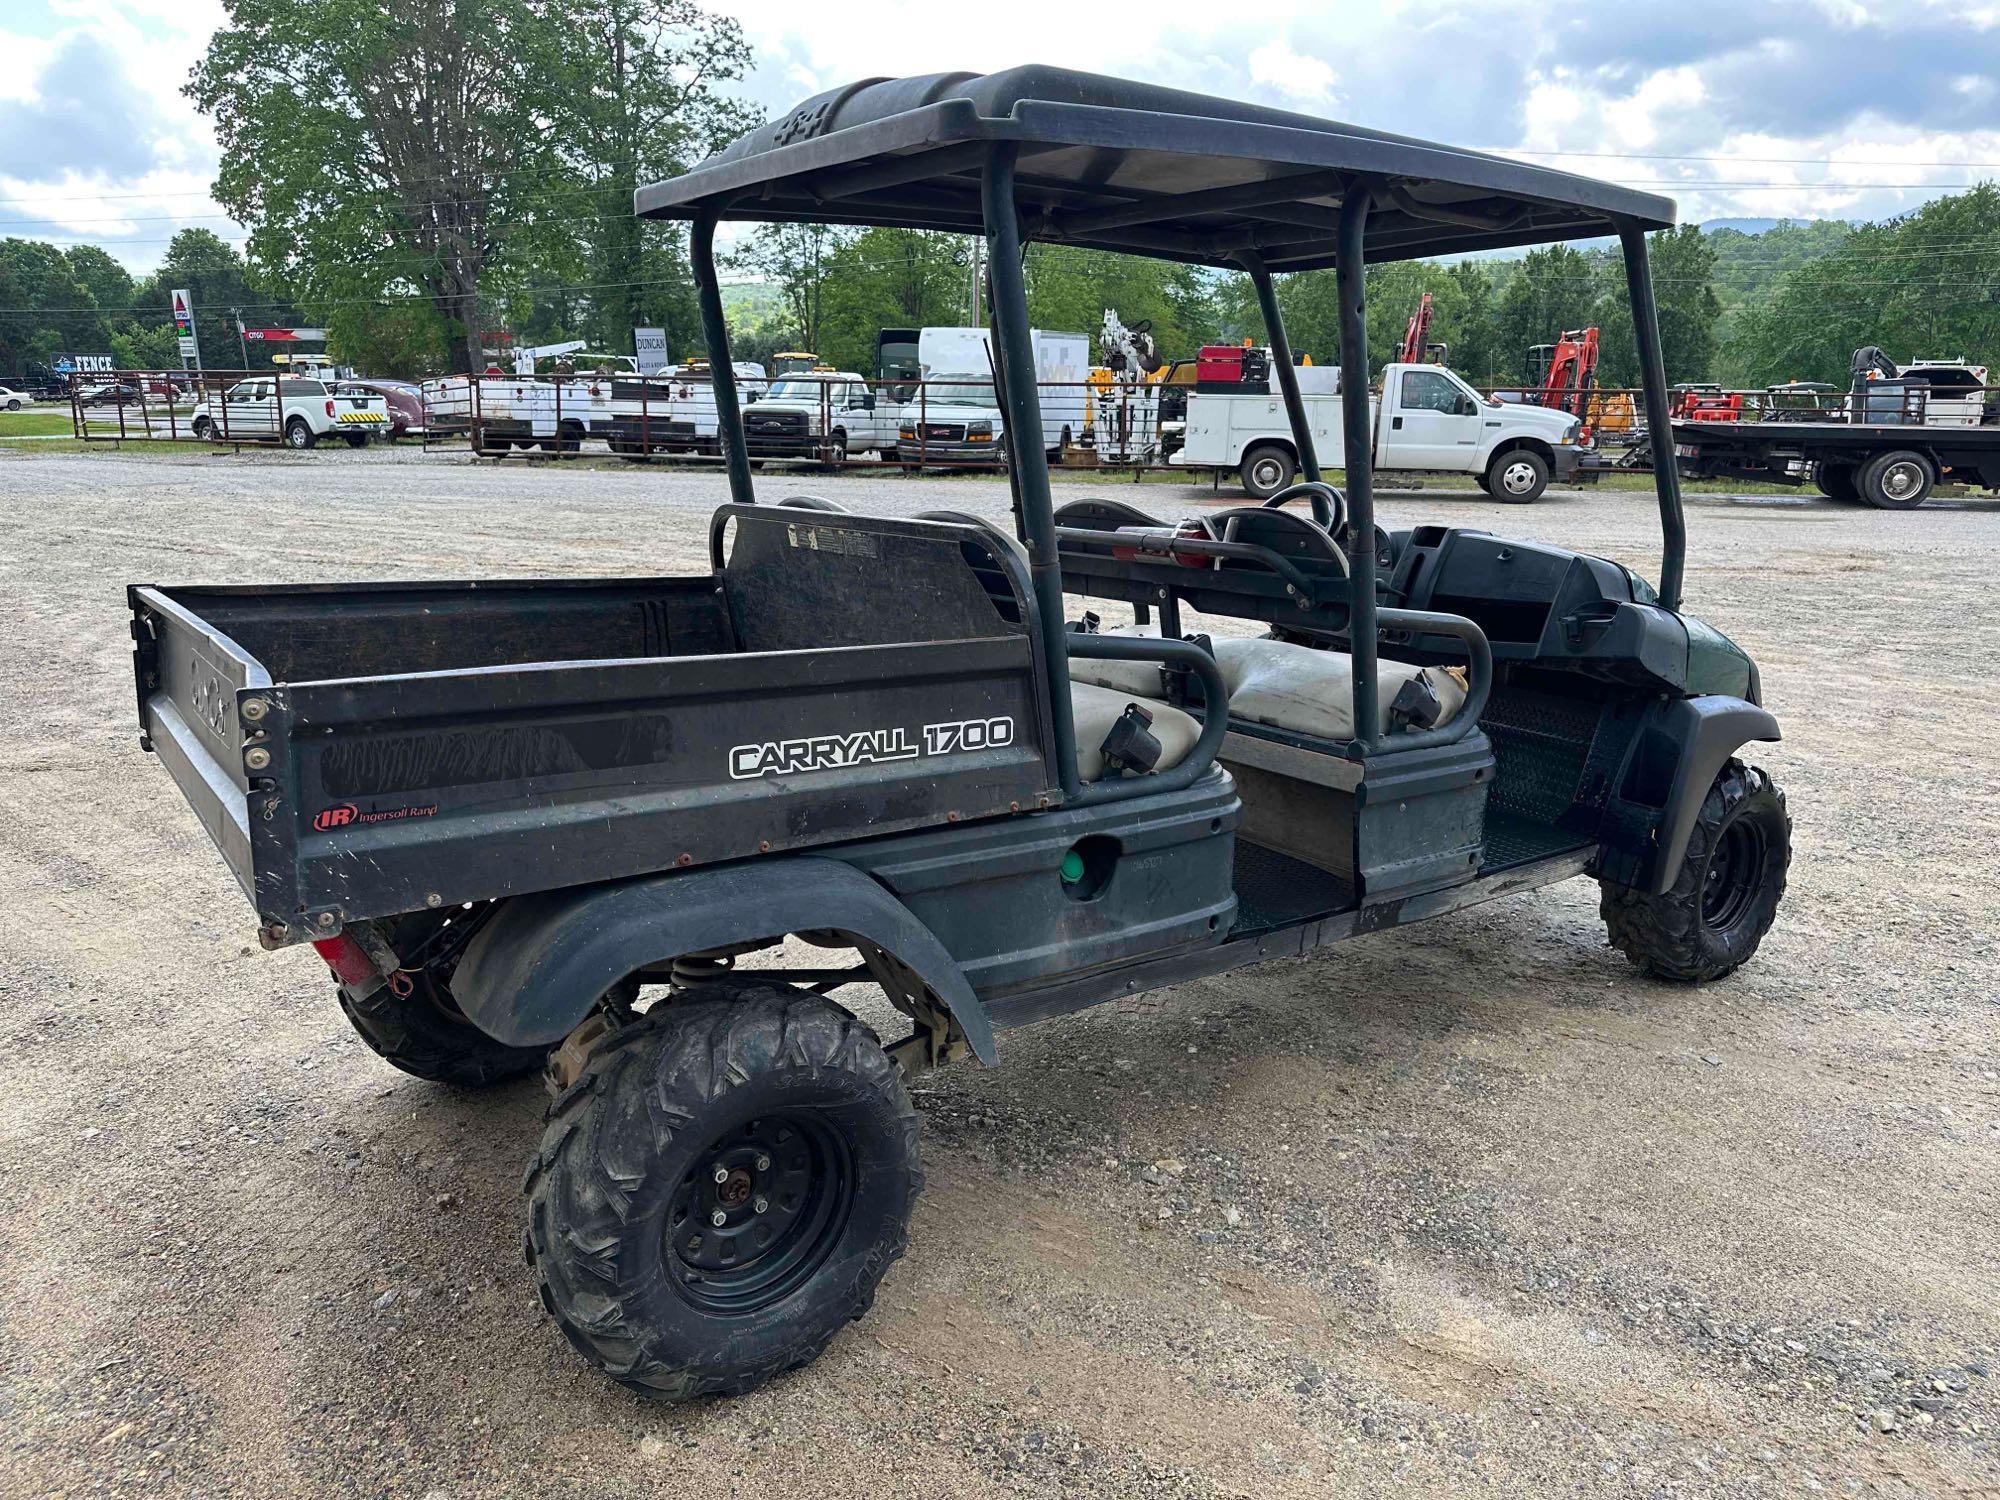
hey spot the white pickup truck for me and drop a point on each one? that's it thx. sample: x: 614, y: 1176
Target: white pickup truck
x: 296, y: 410
x: 826, y: 415
x: 1427, y: 419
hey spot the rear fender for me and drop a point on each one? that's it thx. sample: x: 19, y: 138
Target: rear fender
x: 1674, y: 760
x: 542, y: 962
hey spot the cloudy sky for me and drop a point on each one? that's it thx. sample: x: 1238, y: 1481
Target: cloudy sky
x: 1746, y: 109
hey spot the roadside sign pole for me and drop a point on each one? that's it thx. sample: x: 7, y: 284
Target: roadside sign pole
x: 184, y: 329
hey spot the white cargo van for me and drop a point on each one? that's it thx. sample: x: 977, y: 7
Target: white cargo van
x: 954, y: 418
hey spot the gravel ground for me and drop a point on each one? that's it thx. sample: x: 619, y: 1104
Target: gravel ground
x: 1469, y: 1209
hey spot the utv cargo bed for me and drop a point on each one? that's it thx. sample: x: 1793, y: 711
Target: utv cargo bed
x: 356, y: 751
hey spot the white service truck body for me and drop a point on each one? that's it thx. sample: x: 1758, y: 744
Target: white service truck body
x: 1427, y: 419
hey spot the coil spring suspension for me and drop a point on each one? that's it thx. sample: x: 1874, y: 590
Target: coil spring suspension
x: 692, y: 970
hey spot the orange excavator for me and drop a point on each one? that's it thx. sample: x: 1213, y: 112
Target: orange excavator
x: 1568, y: 373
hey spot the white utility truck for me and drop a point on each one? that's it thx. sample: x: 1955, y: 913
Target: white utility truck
x: 954, y: 417
x: 1427, y: 419
x: 824, y: 414
x: 292, y: 409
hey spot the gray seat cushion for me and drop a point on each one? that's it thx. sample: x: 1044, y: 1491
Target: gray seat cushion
x: 1311, y: 692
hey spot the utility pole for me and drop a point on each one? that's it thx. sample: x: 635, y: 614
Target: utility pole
x: 242, y: 340
x: 972, y: 318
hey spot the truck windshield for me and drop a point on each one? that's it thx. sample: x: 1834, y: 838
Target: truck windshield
x: 953, y: 394
x: 795, y: 390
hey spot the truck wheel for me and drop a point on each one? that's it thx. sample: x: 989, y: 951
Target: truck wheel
x: 202, y: 428
x: 835, y: 452
x: 1517, y: 476
x: 356, y: 439
x: 299, y: 435
x: 425, y: 1035
x: 1725, y: 893
x: 721, y: 1189
x: 1836, y: 482
x: 1900, y: 480
x: 1266, y: 469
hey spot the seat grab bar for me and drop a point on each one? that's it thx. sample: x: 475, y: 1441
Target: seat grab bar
x: 1480, y: 674
x: 1214, y: 705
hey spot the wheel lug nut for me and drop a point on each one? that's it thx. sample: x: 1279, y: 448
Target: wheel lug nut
x: 761, y: 1204
x: 718, y: 1218
x: 722, y: 1174
x: 763, y: 1163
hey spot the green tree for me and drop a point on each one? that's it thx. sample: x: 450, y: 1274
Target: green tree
x: 892, y: 278
x: 1069, y: 289
x: 379, y: 150
x: 109, y: 283
x: 1553, y: 289
x: 644, y: 85
x: 47, y: 308
x: 798, y: 260
x: 218, y: 280
x: 1683, y: 263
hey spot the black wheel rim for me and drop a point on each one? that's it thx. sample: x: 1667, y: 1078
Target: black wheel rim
x: 758, y: 1214
x: 1734, y: 876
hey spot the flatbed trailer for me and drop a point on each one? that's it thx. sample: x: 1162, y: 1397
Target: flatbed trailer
x: 1891, y: 465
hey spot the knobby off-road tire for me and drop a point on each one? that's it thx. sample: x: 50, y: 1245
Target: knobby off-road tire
x: 423, y: 1033
x: 1725, y: 893
x: 795, y: 1106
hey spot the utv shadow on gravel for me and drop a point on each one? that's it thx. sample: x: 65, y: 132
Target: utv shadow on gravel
x: 541, y: 820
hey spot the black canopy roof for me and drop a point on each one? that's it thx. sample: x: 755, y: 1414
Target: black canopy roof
x: 1128, y: 166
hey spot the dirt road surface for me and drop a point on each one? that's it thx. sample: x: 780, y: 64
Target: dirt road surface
x: 1467, y: 1210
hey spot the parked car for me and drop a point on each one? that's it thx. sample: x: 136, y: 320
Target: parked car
x: 405, y: 398
x: 110, y: 393
x: 13, y: 400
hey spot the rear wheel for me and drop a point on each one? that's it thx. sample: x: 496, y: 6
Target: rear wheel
x: 721, y: 1189
x: 1900, y: 480
x: 422, y: 1031
x: 1836, y: 482
x: 1266, y: 469
x: 356, y: 439
x: 1726, y: 892
x: 1517, y: 476
x: 299, y: 435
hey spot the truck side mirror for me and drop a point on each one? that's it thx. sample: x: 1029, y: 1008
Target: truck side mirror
x: 1467, y: 407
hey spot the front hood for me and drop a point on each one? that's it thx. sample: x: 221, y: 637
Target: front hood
x: 1537, y: 419
x: 785, y: 408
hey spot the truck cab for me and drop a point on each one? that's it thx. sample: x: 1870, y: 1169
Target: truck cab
x: 1426, y: 418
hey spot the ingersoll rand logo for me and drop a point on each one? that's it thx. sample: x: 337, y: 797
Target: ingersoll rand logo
x: 827, y: 752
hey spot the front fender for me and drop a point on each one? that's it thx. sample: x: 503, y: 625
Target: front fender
x: 536, y: 969
x: 1675, y: 761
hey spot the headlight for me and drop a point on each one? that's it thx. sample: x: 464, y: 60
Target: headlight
x: 979, y: 432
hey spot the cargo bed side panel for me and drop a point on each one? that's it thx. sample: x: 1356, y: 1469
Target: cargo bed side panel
x: 432, y: 789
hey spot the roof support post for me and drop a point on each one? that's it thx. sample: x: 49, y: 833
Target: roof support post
x: 1357, y: 437
x: 721, y: 371
x: 1281, y: 356
x: 1659, y: 419
x: 1030, y: 469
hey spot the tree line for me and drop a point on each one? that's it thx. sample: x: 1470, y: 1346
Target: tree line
x: 428, y: 180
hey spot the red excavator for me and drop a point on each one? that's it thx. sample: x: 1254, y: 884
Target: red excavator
x: 1417, y: 348
x: 1567, y: 369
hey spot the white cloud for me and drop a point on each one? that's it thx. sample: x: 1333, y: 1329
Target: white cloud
x: 1301, y: 79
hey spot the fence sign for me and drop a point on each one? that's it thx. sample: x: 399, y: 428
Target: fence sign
x: 650, y: 344
x: 184, y: 328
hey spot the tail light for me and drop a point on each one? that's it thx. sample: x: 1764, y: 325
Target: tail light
x: 329, y: 408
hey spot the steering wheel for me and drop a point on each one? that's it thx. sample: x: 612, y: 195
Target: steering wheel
x: 1329, y: 508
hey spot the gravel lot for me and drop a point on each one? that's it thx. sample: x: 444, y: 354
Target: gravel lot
x: 1470, y: 1209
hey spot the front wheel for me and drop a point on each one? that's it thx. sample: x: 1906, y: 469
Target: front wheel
x: 1517, y: 477
x: 721, y: 1189
x: 1725, y: 893
x: 203, y: 428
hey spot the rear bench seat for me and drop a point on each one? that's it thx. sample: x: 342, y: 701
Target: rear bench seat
x: 1300, y: 689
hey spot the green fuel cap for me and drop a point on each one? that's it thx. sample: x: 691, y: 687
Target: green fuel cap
x: 1072, y: 868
